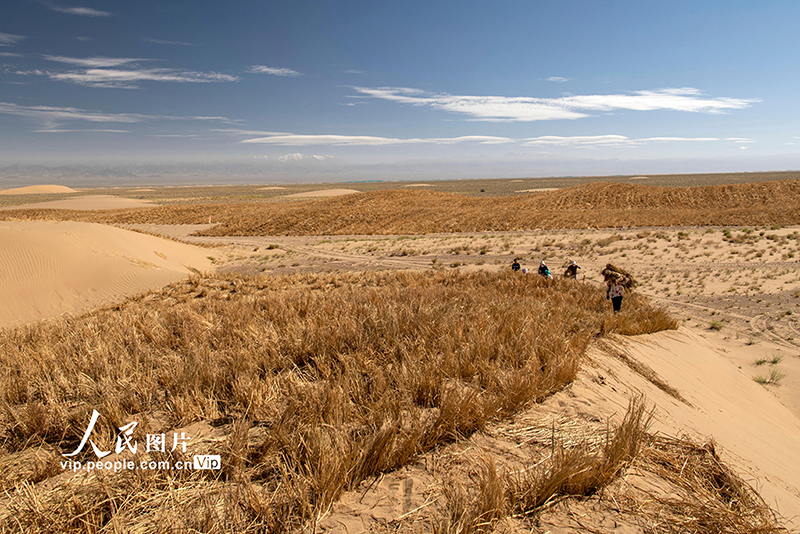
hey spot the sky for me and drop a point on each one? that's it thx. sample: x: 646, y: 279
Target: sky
x: 386, y: 82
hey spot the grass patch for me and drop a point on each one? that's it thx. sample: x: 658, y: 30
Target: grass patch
x: 324, y: 380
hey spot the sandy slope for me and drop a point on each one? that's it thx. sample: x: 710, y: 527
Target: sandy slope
x: 49, y: 268
x: 323, y: 193
x: 755, y: 433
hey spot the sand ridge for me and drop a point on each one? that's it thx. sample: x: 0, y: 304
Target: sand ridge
x: 38, y: 190
x: 323, y: 193
x: 49, y: 268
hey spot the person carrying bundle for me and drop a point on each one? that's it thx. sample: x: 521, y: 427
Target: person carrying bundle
x: 617, y: 281
x: 572, y: 270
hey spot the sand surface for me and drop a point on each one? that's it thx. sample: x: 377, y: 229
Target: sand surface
x: 38, y: 190
x: 753, y: 431
x: 323, y: 193
x: 92, y: 202
x: 49, y: 268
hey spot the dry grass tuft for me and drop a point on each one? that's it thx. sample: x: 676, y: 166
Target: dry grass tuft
x: 711, y: 498
x: 583, y: 469
x: 706, y: 497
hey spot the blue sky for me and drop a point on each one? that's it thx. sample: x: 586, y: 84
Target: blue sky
x: 381, y: 82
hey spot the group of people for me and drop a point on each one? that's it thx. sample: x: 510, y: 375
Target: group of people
x: 544, y: 270
x: 617, y: 280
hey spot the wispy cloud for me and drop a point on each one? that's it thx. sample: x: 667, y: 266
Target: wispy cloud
x: 740, y: 139
x: 365, y: 140
x: 82, y: 11
x: 8, y: 39
x: 94, y: 62
x: 59, y: 130
x: 607, y: 141
x: 52, y: 117
x: 239, y: 131
x: 523, y: 109
x: 129, y: 79
x: 559, y: 79
x: 593, y: 141
x: 10, y: 54
x: 261, y: 69
x: 163, y: 42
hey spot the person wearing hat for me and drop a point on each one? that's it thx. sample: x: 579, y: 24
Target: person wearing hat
x: 544, y: 271
x: 572, y: 270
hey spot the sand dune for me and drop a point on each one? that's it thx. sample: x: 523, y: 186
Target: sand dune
x: 755, y: 433
x: 323, y: 193
x: 38, y: 190
x: 92, y: 202
x: 48, y: 268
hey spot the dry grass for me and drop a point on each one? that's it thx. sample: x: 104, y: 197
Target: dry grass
x: 709, y: 497
x: 570, y: 470
x: 706, y: 497
x: 598, y: 204
x: 328, y: 380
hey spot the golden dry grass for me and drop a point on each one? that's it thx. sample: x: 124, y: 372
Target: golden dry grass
x: 325, y: 379
x: 598, y: 204
x: 706, y: 497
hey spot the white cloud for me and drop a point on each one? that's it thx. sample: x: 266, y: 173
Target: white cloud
x: 607, y: 141
x: 163, y: 42
x: 238, y: 131
x: 560, y: 79
x: 7, y: 39
x: 585, y: 141
x: 740, y: 139
x: 128, y: 79
x: 261, y: 69
x: 52, y: 117
x: 58, y: 130
x: 364, y: 140
x: 10, y: 54
x: 94, y: 62
x: 523, y: 109
x: 82, y: 11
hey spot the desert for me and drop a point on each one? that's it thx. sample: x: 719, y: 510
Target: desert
x: 369, y: 362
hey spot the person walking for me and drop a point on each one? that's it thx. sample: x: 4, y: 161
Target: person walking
x: 617, y: 280
x: 544, y: 271
x: 572, y: 270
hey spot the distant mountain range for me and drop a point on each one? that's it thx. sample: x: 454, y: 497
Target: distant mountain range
x: 302, y: 168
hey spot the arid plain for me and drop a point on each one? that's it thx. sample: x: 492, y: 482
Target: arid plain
x: 361, y: 357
